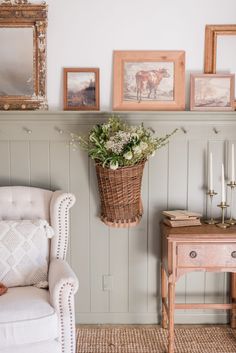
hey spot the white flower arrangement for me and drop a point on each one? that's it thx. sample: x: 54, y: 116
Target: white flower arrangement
x: 116, y: 144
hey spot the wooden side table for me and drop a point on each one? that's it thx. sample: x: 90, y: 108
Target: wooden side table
x: 201, y: 248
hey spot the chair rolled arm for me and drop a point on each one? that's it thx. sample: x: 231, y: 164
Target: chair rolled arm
x: 63, y: 285
x: 59, y: 217
x: 61, y: 275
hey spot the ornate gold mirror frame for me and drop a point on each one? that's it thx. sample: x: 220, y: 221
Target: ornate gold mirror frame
x: 16, y: 16
x: 211, y: 34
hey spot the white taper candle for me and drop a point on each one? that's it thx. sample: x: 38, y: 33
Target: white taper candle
x: 232, y: 164
x: 210, y: 173
x: 223, y: 183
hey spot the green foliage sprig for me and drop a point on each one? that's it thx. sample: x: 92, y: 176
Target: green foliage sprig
x: 116, y: 144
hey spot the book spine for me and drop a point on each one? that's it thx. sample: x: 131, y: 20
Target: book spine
x: 182, y: 223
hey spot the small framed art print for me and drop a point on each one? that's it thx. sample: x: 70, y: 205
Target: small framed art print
x: 81, y: 89
x: 212, y: 92
x: 149, y: 80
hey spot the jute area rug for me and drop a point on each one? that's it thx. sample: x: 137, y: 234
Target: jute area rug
x: 154, y: 340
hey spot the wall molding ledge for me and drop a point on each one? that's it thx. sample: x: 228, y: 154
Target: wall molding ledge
x: 91, y: 117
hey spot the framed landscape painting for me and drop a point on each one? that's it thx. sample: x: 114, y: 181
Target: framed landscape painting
x: 212, y: 92
x: 81, y: 89
x: 149, y: 80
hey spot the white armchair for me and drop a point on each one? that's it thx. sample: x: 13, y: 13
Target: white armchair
x: 32, y: 319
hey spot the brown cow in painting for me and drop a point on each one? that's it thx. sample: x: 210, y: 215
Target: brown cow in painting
x: 149, y: 80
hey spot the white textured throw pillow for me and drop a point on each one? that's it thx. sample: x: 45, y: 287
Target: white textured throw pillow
x: 24, y: 252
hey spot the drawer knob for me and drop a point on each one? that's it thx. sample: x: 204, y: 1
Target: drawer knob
x: 233, y: 254
x: 193, y: 254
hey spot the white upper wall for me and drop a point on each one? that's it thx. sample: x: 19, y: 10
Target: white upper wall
x: 84, y: 33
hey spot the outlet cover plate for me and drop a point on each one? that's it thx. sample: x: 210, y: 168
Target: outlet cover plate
x: 107, y: 282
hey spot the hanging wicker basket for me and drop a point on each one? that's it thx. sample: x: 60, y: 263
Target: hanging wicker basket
x: 120, y: 193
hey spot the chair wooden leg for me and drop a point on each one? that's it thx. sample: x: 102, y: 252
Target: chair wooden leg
x: 171, y: 301
x: 164, y: 318
x: 233, y: 299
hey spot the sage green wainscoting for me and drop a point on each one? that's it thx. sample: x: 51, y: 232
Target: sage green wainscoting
x: 34, y: 151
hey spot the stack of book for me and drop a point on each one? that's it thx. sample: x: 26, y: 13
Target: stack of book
x: 181, y: 218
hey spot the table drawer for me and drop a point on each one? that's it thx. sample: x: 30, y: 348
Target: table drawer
x: 206, y: 255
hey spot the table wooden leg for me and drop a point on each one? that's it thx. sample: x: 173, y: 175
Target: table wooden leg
x: 171, y: 311
x: 233, y: 299
x: 163, y: 297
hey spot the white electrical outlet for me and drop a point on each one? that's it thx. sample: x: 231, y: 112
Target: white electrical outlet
x: 107, y: 282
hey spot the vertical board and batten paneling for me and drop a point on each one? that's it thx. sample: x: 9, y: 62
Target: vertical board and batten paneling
x: 40, y: 164
x: 119, y: 269
x: 59, y: 153
x: 59, y: 165
x: 5, y: 163
x: 80, y: 214
x: 20, y: 162
x: 177, y: 194
x: 138, y: 240
x: 176, y: 177
x: 229, y: 174
x: 99, y: 250
x: 157, y: 198
x: 215, y: 282
x: 196, y: 200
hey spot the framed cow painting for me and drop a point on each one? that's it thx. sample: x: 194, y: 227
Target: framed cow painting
x: 149, y: 80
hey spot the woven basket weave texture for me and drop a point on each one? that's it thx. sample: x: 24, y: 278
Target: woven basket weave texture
x: 155, y: 340
x: 120, y: 194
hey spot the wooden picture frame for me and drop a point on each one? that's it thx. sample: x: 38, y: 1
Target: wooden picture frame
x: 24, y: 80
x: 81, y: 89
x: 212, y: 95
x: 211, y: 34
x: 149, y: 80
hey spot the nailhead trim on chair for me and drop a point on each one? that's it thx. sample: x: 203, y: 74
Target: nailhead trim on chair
x: 68, y: 200
x: 65, y: 292
x: 72, y: 328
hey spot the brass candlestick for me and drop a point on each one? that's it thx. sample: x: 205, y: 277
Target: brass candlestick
x: 211, y: 220
x: 232, y: 186
x: 222, y: 224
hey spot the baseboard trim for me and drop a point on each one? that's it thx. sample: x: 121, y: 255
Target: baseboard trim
x: 149, y: 318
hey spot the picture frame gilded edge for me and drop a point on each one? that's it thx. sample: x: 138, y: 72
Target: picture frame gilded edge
x: 36, y: 15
